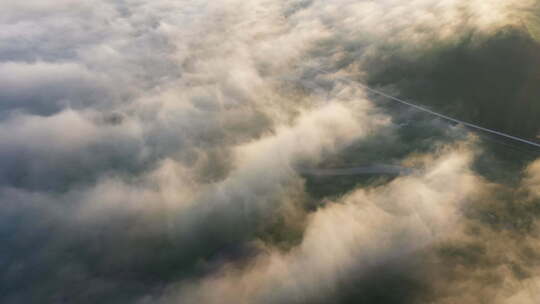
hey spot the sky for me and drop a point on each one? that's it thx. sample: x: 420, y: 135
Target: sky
x: 196, y: 151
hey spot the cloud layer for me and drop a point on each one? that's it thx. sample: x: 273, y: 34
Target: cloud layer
x: 149, y: 153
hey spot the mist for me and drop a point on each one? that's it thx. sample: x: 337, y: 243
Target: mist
x: 229, y: 152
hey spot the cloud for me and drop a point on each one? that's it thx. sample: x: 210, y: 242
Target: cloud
x: 532, y: 182
x: 148, y: 151
x: 45, y: 88
x: 169, y: 204
x: 346, y: 240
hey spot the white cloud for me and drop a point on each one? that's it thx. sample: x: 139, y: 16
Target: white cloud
x: 126, y: 124
x: 345, y: 239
